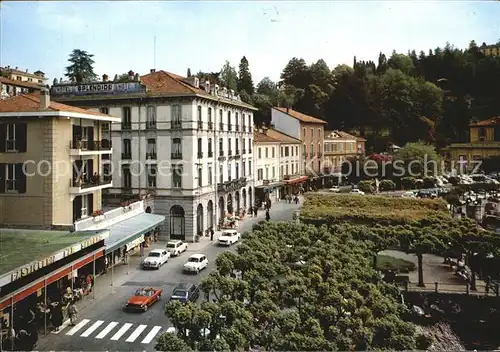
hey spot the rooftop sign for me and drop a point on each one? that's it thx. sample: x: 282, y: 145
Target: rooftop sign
x: 98, y: 88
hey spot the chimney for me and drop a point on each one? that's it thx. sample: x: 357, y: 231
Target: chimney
x: 44, y: 99
x: 153, y: 70
x: 104, y: 77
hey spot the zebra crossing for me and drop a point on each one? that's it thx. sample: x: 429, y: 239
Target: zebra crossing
x: 115, y: 331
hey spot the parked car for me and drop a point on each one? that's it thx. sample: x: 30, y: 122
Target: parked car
x: 196, y: 263
x: 143, y: 298
x: 409, y: 194
x: 155, y: 259
x: 228, y: 237
x: 185, y: 293
x: 357, y: 191
x: 176, y: 247
x: 334, y: 189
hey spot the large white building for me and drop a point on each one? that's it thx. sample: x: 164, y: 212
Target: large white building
x: 187, y: 143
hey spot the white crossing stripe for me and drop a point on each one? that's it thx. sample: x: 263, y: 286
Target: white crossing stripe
x: 106, y: 330
x: 149, y: 337
x: 136, y: 333
x: 120, y: 332
x: 92, y: 328
x: 78, y: 327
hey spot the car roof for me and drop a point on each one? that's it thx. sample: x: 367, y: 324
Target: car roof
x: 156, y: 251
x: 197, y: 255
x: 183, y: 286
x: 174, y: 241
x: 229, y: 231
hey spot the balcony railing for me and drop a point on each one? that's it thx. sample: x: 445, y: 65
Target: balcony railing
x: 210, y: 154
x: 243, y: 151
x: 151, y: 156
x: 221, y: 126
x: 151, y: 125
x: 126, y: 156
x: 229, y: 152
x: 237, y: 128
x: 232, y: 185
x: 176, y: 155
x: 104, y: 144
x: 176, y: 125
x: 229, y: 127
x: 250, y: 129
x: 200, y: 155
x: 237, y: 152
x: 311, y: 155
x: 243, y: 128
x: 210, y: 125
x: 126, y: 126
x: 200, y: 125
x: 222, y: 157
x: 250, y: 151
x: 320, y: 155
x: 92, y: 181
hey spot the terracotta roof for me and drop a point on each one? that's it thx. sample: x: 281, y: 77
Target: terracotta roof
x: 259, y: 137
x: 494, y: 121
x: 300, y: 116
x: 23, y: 84
x: 343, y: 135
x: 31, y: 103
x: 282, y: 137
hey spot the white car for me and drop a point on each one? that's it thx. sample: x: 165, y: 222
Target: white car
x: 228, y: 237
x: 357, y: 191
x: 155, y: 259
x: 334, y: 189
x: 176, y: 247
x: 409, y: 194
x: 196, y: 263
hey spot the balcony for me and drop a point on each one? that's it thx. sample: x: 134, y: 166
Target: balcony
x: 229, y: 127
x: 126, y: 156
x: 200, y: 125
x: 250, y: 151
x: 320, y: 155
x: 221, y: 126
x: 237, y: 128
x: 176, y: 156
x: 232, y: 185
x: 230, y: 152
x: 126, y: 126
x: 210, y: 154
x: 200, y: 155
x: 86, y: 185
x: 151, y: 156
x: 311, y: 155
x: 210, y: 125
x: 250, y: 129
x: 176, y: 125
x: 77, y: 148
x: 221, y: 157
x: 243, y: 128
x: 151, y: 125
x: 243, y: 151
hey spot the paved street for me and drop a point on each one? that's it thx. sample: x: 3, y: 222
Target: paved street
x: 104, y: 325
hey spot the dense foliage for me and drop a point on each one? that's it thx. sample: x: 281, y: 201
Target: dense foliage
x: 302, y: 288
x: 401, y: 98
x: 81, y: 68
x: 336, y: 208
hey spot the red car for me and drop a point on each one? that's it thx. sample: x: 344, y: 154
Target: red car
x: 143, y: 298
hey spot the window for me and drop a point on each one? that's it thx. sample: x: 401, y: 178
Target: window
x: 312, y: 133
x: 267, y: 152
x: 482, y: 133
x: 221, y: 147
x: 151, y: 117
x: 229, y: 174
x: 274, y: 173
x: 12, y: 178
x: 152, y: 172
x: 151, y: 149
x: 237, y: 171
x: 210, y: 118
x: 237, y: 146
x: 304, y: 149
x: 320, y: 149
x: 177, y: 176
x: 127, y: 177
x: 272, y: 152
x: 243, y: 146
x: 200, y: 119
x: 260, y: 174
x: 221, y: 123
x: 319, y: 133
x: 200, y: 177
x: 292, y: 168
x: 282, y: 151
x: 286, y: 168
x: 291, y: 151
x: 85, y: 205
x: 229, y: 120
x: 221, y: 174
x: 249, y: 123
x: 250, y: 167
x: 249, y: 146
x: 296, y: 150
x: 126, y: 118
x: 243, y: 124
x: 236, y: 118
x: 260, y: 152
x: 287, y: 151
x: 176, y: 148
x: 243, y: 166
x: 13, y: 137
x: 304, y: 133
x: 267, y: 173
x: 210, y: 175
x: 312, y: 149
x: 127, y: 149
x: 230, y: 151
x: 104, y: 111
x: 282, y: 174
x: 210, y: 148
x: 200, y: 148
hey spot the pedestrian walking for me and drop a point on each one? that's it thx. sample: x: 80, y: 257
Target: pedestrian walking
x: 72, y: 312
x: 268, y: 217
x: 211, y: 233
x: 296, y: 200
x: 56, y: 316
x: 255, y: 211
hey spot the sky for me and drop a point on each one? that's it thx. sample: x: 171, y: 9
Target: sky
x: 202, y: 35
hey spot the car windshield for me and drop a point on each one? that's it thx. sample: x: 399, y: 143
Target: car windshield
x: 193, y: 260
x: 170, y: 245
x: 227, y: 233
x: 180, y: 293
x: 154, y: 254
x: 143, y: 292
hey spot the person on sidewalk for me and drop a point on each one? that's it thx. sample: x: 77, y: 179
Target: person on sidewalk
x: 212, y: 233
x: 72, y: 312
x: 296, y: 200
x: 255, y: 211
x: 268, y: 216
x: 56, y: 315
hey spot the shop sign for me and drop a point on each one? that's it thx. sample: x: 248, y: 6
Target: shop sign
x: 98, y: 88
x: 32, y: 267
x: 134, y: 243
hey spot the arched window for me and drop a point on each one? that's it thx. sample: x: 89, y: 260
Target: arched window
x: 200, y: 148
x: 177, y: 223
x: 210, y: 147
x: 229, y: 120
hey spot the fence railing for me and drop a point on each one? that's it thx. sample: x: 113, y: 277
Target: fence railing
x: 480, y: 288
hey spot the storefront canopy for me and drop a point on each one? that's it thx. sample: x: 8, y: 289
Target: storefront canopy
x: 127, y: 231
x: 296, y: 180
x: 270, y: 186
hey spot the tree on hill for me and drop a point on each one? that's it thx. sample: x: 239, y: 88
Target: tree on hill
x: 188, y: 74
x: 81, y: 68
x: 245, y: 82
x: 228, y: 76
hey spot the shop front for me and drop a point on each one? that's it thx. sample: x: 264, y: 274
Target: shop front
x: 293, y: 186
x: 268, y: 192
x: 30, y: 292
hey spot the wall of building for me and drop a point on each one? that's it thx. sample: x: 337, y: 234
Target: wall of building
x: 291, y: 164
x: 312, y: 136
x: 269, y: 165
x: 285, y: 123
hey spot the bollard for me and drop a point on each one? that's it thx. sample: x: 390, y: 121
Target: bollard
x: 436, y: 287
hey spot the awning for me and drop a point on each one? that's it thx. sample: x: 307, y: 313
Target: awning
x: 296, y: 180
x: 127, y: 232
x: 270, y: 186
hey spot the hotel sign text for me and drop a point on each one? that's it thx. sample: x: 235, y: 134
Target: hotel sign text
x: 98, y: 88
x: 32, y: 267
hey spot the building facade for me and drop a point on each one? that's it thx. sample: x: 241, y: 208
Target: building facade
x: 50, y: 162
x: 309, y: 129
x: 267, y: 165
x: 16, y: 74
x: 187, y: 143
x: 490, y: 50
x: 484, y: 142
x: 340, y: 146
